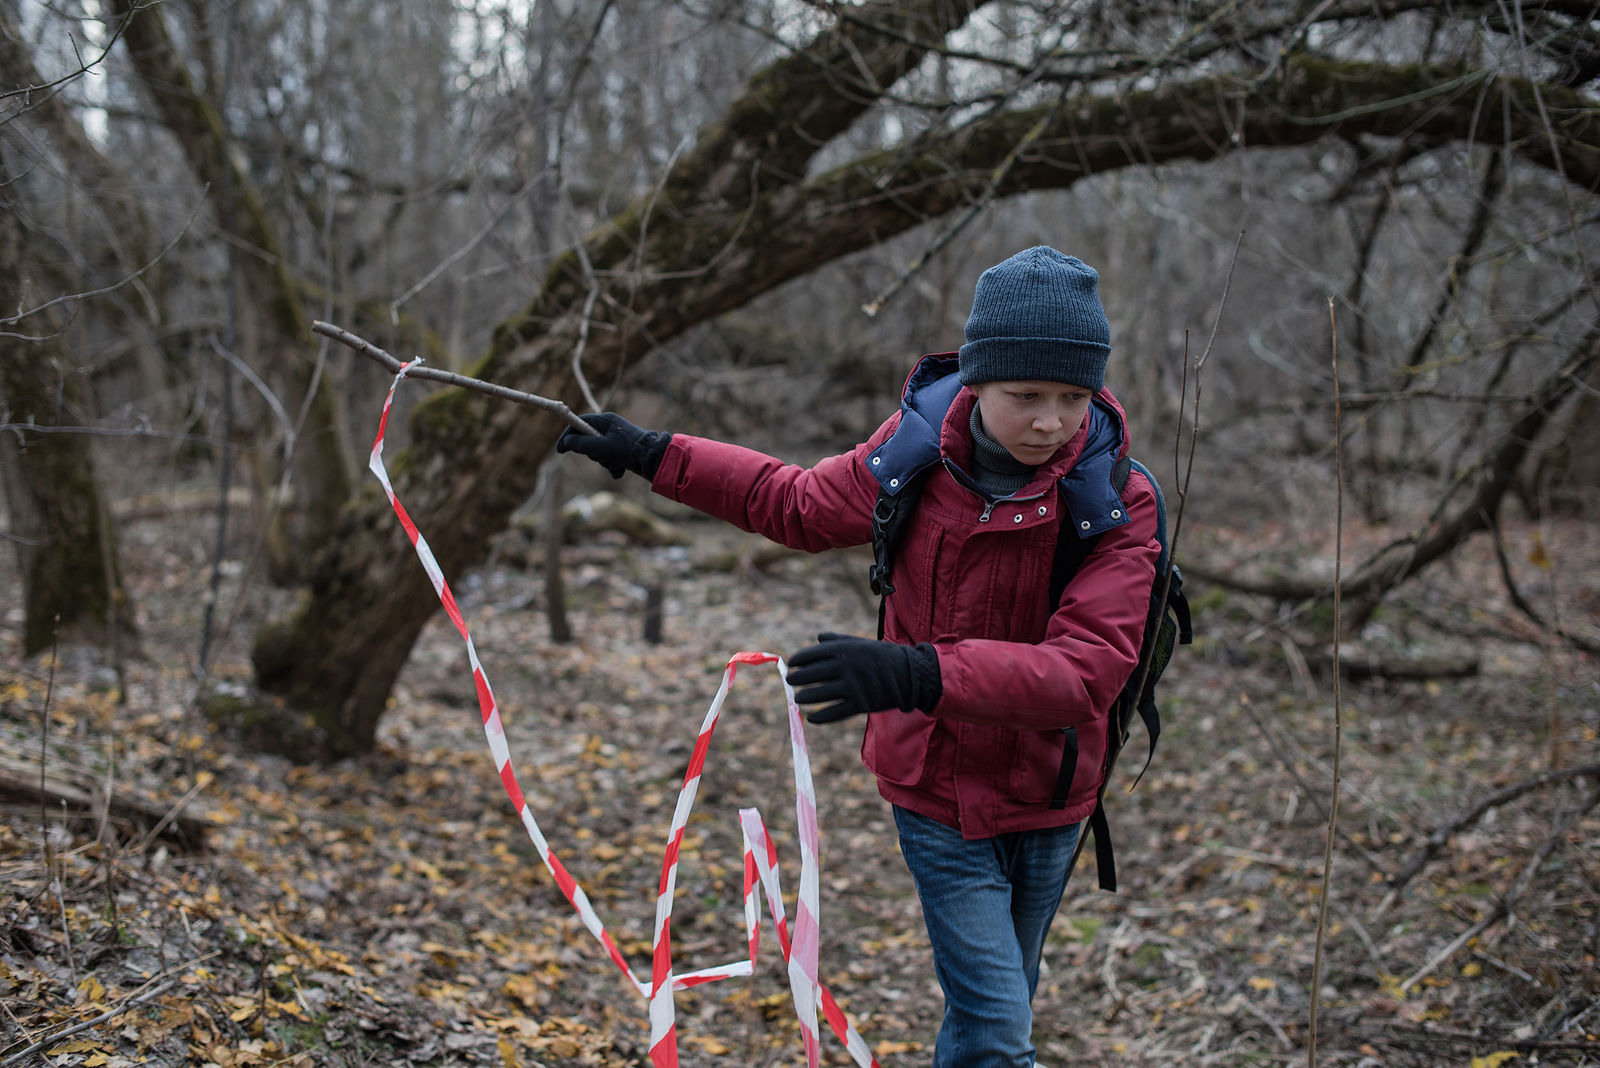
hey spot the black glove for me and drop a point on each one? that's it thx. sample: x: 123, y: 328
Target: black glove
x: 864, y: 675
x: 620, y: 446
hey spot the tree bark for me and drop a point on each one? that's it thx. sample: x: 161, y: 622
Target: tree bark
x: 62, y: 530
x: 737, y: 217
x: 66, y: 544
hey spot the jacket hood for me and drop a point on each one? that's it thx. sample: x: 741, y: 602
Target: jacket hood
x: 933, y: 426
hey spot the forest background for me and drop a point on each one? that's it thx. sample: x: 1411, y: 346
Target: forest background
x: 1348, y: 253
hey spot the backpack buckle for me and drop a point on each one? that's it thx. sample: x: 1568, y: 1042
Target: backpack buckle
x: 878, y: 579
x: 883, y: 514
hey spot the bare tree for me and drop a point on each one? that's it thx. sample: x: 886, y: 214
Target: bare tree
x: 773, y: 190
x: 527, y: 184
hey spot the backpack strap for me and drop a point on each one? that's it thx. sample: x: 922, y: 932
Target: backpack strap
x: 1104, y: 862
x: 1167, y: 625
x: 902, y: 464
x: 1071, y: 552
x: 890, y: 514
x: 1069, y: 768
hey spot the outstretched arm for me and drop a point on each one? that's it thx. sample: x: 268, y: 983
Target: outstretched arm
x: 811, y: 509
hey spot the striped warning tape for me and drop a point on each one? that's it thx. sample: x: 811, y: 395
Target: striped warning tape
x: 760, y: 854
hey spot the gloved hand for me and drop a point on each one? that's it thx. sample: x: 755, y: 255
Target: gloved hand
x: 620, y: 446
x: 864, y: 675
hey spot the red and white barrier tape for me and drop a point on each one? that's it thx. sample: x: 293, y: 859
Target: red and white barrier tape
x: 760, y: 854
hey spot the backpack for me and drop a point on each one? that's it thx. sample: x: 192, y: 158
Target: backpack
x: 1167, y: 623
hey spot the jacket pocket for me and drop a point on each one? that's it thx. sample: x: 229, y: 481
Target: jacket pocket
x: 1036, y: 765
x: 895, y: 748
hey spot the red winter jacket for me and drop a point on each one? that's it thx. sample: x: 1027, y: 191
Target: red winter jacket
x: 1015, y: 669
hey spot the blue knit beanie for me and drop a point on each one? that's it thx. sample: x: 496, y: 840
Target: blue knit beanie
x: 1037, y: 316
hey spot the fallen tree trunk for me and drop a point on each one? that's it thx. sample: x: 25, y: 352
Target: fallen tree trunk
x: 85, y: 800
x: 1401, y: 668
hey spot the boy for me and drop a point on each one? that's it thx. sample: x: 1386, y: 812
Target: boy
x: 980, y: 682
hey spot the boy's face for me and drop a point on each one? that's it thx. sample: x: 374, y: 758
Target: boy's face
x: 1032, y: 419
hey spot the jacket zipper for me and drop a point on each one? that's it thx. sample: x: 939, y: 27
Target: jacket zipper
x: 988, y: 506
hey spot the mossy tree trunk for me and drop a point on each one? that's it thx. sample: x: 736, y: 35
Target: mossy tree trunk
x: 60, y: 526
x: 66, y: 543
x: 737, y: 217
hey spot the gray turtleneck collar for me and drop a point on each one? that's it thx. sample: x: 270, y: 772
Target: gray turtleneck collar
x: 997, y: 473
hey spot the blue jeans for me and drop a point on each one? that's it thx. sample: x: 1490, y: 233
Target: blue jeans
x: 987, y: 904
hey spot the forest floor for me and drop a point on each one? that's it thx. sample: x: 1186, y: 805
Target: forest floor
x: 392, y: 911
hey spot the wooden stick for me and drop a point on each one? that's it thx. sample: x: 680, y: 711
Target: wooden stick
x: 1318, y: 957
x: 367, y: 348
x: 56, y: 1036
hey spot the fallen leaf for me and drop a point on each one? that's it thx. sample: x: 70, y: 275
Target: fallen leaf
x: 710, y: 1043
x: 77, y: 1045
x: 1496, y: 1059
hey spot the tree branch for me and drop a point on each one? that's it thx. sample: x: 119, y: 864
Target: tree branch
x: 1506, y: 906
x: 367, y: 348
x: 1398, y: 561
x: 1462, y: 820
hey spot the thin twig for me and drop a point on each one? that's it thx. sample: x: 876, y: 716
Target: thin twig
x: 872, y: 307
x: 202, y: 780
x: 1520, y: 602
x: 44, y: 757
x: 1194, y: 427
x: 66, y: 926
x: 21, y: 1030
x: 1379, y: 967
x: 563, y: 194
x: 583, y: 340
x: 56, y: 1036
x: 367, y: 348
x: 83, y: 67
x: 472, y: 242
x: 1255, y: 856
x: 1494, y: 916
x: 1184, y: 471
x: 1338, y: 718
x: 108, y: 842
x: 128, y: 280
x: 1506, y: 906
x: 1227, y: 283
x: 1291, y: 766
x: 1436, y: 841
x: 1283, y: 1036
x: 261, y: 387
